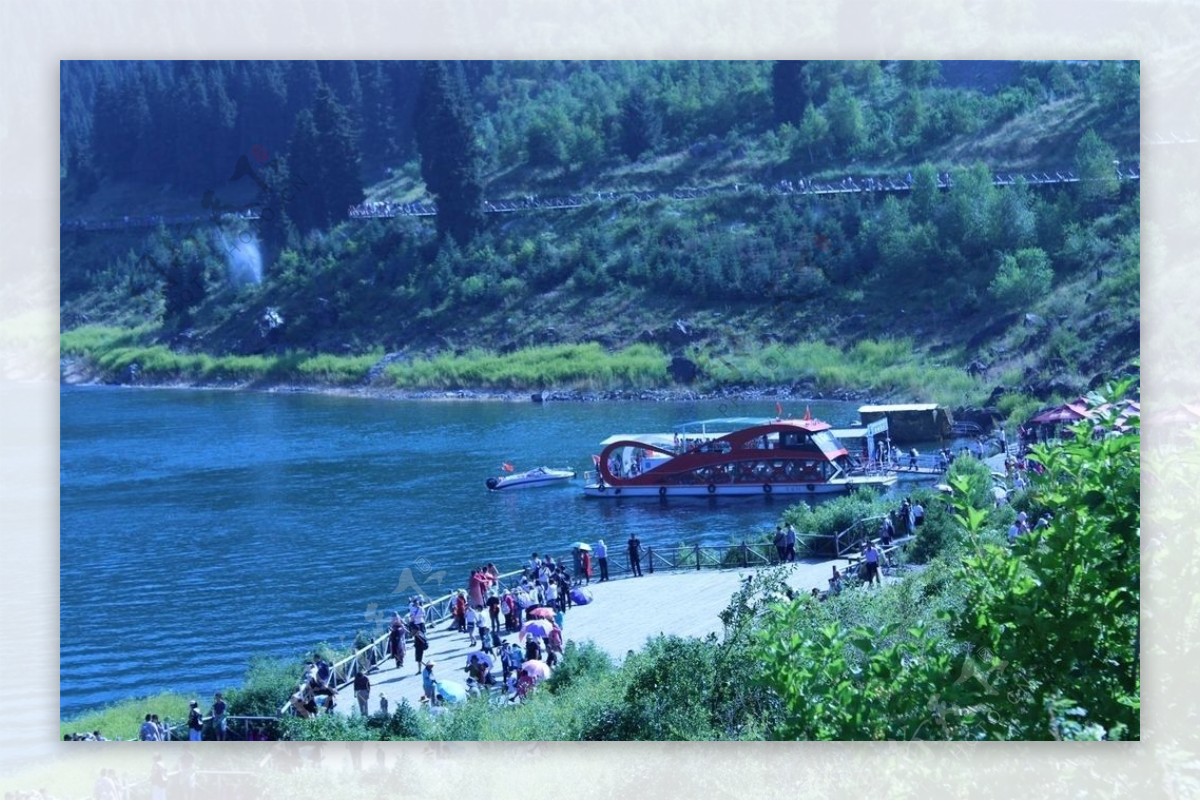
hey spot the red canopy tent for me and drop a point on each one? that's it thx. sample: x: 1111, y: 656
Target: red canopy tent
x: 1067, y: 413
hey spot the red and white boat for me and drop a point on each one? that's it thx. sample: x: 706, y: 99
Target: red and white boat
x: 728, y: 457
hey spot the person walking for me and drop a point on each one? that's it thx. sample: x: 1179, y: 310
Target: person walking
x: 635, y: 555
x: 871, y: 560
x: 587, y: 567
x: 602, y: 559
x: 416, y: 614
x: 789, y: 539
x: 362, y: 691
x: 420, y: 643
x: 396, y: 637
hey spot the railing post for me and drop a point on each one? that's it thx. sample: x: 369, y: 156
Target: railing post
x: 697, y: 556
x: 650, y: 558
x: 745, y: 557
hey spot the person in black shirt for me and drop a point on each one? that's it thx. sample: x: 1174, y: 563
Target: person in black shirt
x: 635, y: 555
x: 362, y: 691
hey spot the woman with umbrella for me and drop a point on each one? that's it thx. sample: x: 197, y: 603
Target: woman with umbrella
x: 533, y: 648
x: 536, y: 627
x: 587, y: 565
x: 525, y: 684
x: 537, y: 669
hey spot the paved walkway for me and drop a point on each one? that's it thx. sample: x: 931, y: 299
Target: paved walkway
x: 624, y: 613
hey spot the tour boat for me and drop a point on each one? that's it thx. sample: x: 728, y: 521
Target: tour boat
x: 537, y: 477
x: 728, y: 457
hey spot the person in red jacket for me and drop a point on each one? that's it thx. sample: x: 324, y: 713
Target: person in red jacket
x: 587, y: 567
x: 459, y: 610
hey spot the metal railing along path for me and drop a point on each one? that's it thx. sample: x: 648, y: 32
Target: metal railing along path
x: 375, y: 652
x: 387, y: 209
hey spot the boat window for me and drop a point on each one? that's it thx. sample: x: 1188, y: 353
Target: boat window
x: 793, y: 440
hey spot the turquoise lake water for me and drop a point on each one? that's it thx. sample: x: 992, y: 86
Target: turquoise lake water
x: 199, y: 528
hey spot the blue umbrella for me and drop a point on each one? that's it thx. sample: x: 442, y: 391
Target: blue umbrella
x: 581, y: 596
x: 452, y: 691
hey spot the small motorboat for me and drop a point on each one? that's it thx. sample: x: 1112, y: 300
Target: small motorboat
x: 537, y: 477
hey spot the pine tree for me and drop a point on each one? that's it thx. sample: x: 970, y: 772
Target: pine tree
x: 641, y: 125
x: 450, y: 156
x: 789, y: 91
x: 340, y: 181
x: 307, y: 208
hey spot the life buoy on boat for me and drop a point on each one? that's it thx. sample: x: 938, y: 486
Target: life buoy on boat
x: 712, y: 488
x: 811, y: 488
x: 767, y: 488
x: 616, y: 491
x: 603, y: 487
x: 662, y: 492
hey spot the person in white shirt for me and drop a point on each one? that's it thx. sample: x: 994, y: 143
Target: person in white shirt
x: 472, y: 618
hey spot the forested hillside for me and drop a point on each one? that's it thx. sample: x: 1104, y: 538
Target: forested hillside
x: 666, y: 204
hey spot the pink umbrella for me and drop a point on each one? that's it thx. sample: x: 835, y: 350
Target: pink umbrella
x: 542, y: 612
x: 538, y: 628
x: 537, y: 667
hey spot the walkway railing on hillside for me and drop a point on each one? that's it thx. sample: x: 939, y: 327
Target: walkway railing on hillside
x: 386, y: 209
x: 375, y: 652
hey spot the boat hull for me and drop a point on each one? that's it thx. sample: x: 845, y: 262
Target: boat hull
x: 789, y: 490
x: 544, y: 479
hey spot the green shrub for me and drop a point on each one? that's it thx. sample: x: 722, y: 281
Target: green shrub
x: 1023, y: 277
x: 268, y: 685
x: 580, y: 664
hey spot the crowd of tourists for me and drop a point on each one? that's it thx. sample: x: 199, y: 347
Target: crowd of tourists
x: 514, y: 630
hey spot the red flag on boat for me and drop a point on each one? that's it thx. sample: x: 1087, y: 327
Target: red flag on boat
x: 778, y: 410
x: 508, y: 468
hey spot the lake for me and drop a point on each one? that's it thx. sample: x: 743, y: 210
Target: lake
x: 199, y: 528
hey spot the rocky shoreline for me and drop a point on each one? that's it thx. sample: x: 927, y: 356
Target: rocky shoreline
x: 75, y: 371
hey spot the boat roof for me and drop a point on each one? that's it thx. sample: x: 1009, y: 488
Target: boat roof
x: 649, y: 439
x: 850, y: 433
x: 900, y: 407
x: 731, y: 424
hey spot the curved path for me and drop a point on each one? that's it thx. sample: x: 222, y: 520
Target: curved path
x: 623, y: 615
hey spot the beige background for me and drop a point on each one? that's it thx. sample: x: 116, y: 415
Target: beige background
x: 1164, y: 35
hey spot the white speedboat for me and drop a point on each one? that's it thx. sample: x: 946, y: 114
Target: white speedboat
x: 537, y: 477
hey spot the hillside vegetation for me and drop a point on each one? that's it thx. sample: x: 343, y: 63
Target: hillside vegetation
x: 689, y: 233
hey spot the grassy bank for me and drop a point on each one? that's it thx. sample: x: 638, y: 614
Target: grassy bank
x: 880, y: 368
x: 115, y: 352
x: 585, y: 366
x: 883, y: 368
